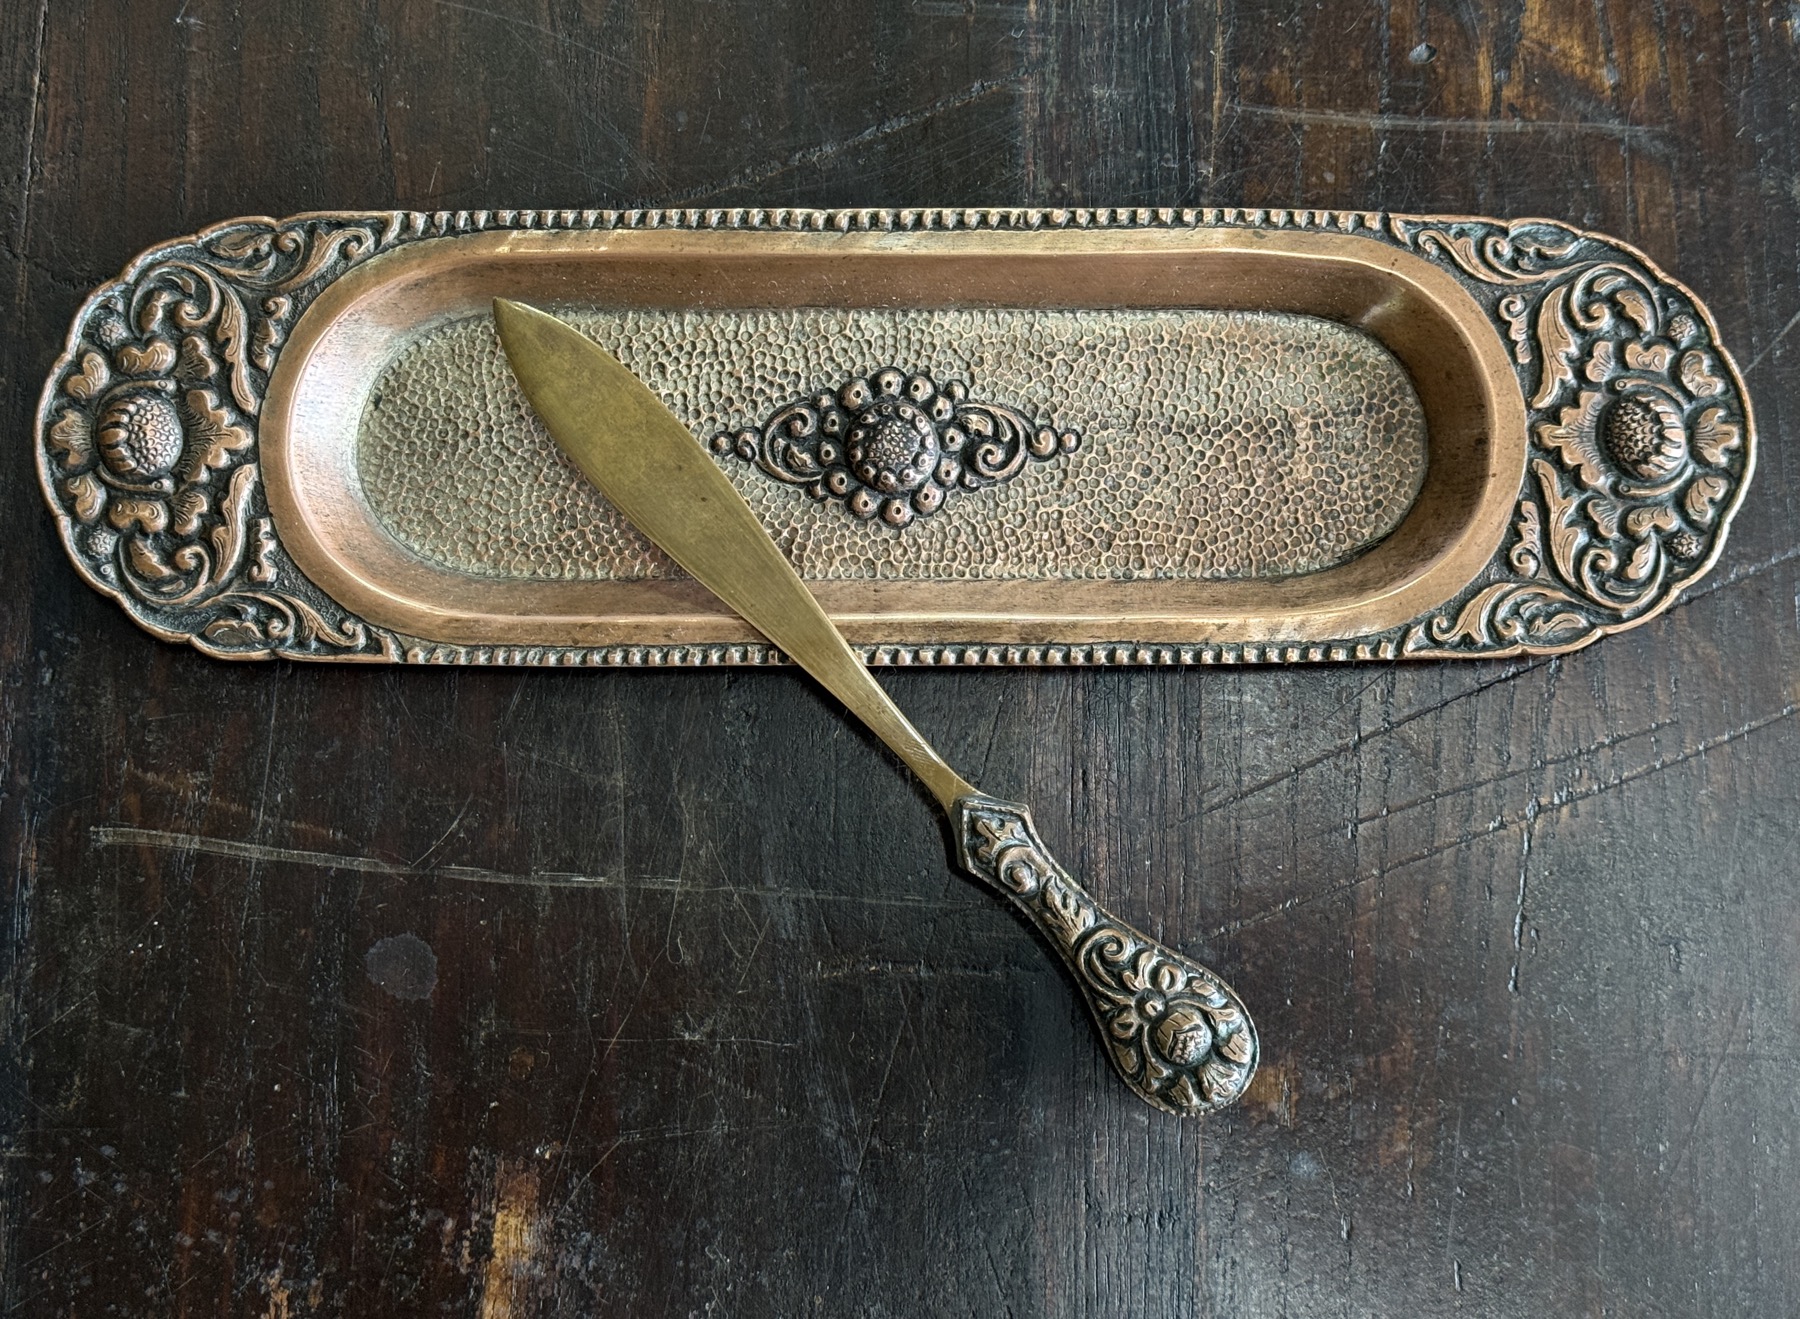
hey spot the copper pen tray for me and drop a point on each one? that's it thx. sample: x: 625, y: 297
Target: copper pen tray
x: 983, y: 436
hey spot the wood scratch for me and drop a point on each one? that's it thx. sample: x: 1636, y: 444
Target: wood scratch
x: 125, y: 836
x: 844, y: 968
x: 814, y: 155
x: 541, y: 29
x: 449, y: 829
x: 1770, y: 347
x: 112, y: 835
x: 1518, y: 933
x: 21, y: 239
x: 1556, y: 802
x: 1637, y: 134
x: 647, y: 1135
x: 1216, y: 128
x: 1444, y: 793
x: 1706, y: 1092
x: 853, y: 1175
x: 262, y: 791
x: 1362, y: 739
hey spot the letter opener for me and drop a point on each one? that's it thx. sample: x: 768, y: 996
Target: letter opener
x: 1174, y: 1030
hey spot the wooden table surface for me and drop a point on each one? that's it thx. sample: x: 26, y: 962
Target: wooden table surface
x: 299, y: 1019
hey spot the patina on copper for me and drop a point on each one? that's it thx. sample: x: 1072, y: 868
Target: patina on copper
x: 1587, y: 439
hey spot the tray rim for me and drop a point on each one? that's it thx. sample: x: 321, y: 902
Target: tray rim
x: 1504, y: 616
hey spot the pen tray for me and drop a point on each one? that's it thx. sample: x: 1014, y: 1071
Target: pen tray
x: 982, y: 436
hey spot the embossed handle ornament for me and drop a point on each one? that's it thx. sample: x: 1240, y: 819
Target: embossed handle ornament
x: 1177, y: 1033
x: 1174, y: 1030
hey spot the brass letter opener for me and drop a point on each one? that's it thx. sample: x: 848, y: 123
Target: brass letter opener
x: 1176, y: 1032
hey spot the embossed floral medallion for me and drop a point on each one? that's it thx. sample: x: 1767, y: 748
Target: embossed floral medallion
x: 1639, y: 439
x: 150, y: 441
x: 895, y: 446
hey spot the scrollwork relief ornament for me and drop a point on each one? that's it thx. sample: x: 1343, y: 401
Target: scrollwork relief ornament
x: 150, y: 427
x: 1175, y: 1032
x: 1638, y: 428
x: 895, y: 446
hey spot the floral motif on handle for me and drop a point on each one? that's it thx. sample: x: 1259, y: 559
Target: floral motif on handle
x: 1638, y: 438
x: 895, y: 446
x: 151, y: 440
x: 1176, y: 1032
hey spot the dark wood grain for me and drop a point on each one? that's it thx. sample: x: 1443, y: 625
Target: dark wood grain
x: 1524, y: 938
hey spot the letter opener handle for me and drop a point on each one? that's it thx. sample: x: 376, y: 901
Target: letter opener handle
x: 1174, y: 1030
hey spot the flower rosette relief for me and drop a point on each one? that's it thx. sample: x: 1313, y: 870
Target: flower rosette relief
x: 1638, y: 429
x: 1650, y: 440
x: 895, y: 446
x: 148, y: 456
x: 149, y: 431
x: 1169, y: 1027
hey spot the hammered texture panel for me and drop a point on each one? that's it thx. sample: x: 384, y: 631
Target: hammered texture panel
x: 1214, y: 444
